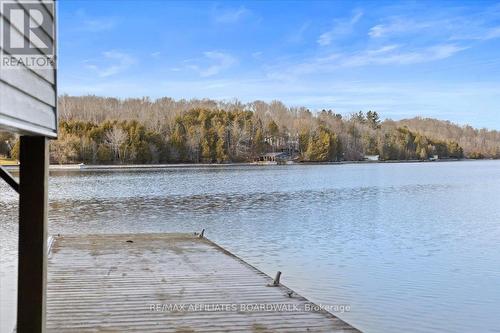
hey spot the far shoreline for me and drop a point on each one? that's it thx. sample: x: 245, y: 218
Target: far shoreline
x: 110, y: 167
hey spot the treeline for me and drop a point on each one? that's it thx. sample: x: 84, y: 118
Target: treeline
x: 197, y: 136
x: 108, y: 130
x: 477, y: 143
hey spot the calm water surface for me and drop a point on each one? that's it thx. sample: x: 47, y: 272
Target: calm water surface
x: 409, y: 247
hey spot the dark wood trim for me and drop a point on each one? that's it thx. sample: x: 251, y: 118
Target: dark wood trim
x: 33, y: 180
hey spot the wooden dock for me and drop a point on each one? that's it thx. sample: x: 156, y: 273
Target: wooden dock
x: 168, y: 283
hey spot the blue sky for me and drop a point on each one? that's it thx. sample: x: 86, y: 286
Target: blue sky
x: 427, y: 58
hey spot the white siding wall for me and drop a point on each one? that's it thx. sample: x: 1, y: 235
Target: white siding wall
x: 28, y: 96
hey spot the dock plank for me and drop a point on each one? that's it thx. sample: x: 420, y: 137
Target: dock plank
x: 167, y: 283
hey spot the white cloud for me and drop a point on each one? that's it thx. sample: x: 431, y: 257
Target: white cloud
x: 325, y: 38
x: 211, y: 64
x: 221, y: 61
x: 391, y: 55
x: 341, y: 27
x: 156, y: 54
x: 443, y: 26
x: 298, y: 35
x: 492, y: 33
x: 477, y: 33
x: 257, y: 55
x: 384, y: 49
x: 377, y: 30
x: 398, y: 25
x: 291, y: 72
x: 97, y: 25
x: 92, y: 23
x: 111, y: 63
x: 232, y: 15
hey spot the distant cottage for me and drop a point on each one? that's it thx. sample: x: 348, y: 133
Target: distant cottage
x: 372, y: 157
x: 274, y: 157
x: 434, y: 158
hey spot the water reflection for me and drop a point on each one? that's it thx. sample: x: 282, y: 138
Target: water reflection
x: 409, y: 246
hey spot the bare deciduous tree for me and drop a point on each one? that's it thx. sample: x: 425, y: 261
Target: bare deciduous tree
x: 116, y: 137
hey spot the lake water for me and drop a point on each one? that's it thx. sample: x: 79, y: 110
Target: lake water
x: 408, y: 247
